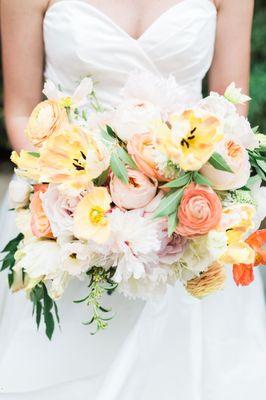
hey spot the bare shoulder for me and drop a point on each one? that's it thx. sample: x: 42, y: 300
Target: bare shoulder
x: 239, y: 5
x: 15, y: 7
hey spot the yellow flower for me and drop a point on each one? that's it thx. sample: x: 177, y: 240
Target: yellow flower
x: 90, y: 220
x: 72, y: 158
x: 189, y: 139
x: 47, y: 118
x: 237, y: 220
x: 28, y: 164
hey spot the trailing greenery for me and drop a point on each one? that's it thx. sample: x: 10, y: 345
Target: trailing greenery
x: 257, y: 81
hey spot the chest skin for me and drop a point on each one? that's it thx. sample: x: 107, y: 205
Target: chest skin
x: 133, y: 16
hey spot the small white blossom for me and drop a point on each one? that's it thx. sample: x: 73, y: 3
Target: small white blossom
x: 234, y: 95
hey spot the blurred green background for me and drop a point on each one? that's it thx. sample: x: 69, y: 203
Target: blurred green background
x: 258, y: 78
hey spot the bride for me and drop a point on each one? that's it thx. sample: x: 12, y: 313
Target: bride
x: 175, y: 348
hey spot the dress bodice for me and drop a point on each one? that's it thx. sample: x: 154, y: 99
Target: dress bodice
x: 80, y: 40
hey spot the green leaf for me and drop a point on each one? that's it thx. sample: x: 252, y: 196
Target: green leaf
x: 218, y: 162
x: 201, y: 180
x: 101, y: 180
x: 13, y: 244
x: 169, y: 203
x: 110, y: 131
x: 262, y: 164
x: 38, y: 313
x: 119, y: 168
x: 56, y: 313
x: 179, y: 182
x: 172, y: 223
x: 48, y: 316
x: 124, y: 156
x: 34, y: 154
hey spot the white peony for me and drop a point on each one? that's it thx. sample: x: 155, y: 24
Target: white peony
x: 19, y: 193
x: 59, y: 208
x: 38, y: 258
x: 134, y: 117
x: 58, y: 284
x: 164, y: 93
x: 133, y: 245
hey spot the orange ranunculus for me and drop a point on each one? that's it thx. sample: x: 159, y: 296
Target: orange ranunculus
x: 40, y: 224
x: 243, y: 273
x: 199, y: 212
x: 142, y: 149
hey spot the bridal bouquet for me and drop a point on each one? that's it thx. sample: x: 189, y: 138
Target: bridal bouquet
x: 135, y: 198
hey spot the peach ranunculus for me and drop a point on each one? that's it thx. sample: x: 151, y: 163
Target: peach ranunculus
x: 90, y: 217
x: 47, y: 118
x: 189, y: 139
x: 136, y: 194
x: 144, y: 153
x: 199, y: 212
x: 237, y: 158
x: 40, y: 224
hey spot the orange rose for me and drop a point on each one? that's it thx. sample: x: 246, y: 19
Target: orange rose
x: 47, y: 118
x: 40, y: 224
x: 199, y: 212
x: 142, y: 150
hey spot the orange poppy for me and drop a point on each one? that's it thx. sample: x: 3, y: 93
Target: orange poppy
x: 243, y: 273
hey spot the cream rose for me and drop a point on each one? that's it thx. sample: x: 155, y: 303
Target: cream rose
x: 19, y: 193
x: 238, y: 160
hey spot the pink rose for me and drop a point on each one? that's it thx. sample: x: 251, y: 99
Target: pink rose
x: 238, y: 160
x: 142, y: 150
x: 59, y: 208
x: 199, y: 212
x: 136, y: 194
x: 172, y: 249
x: 40, y: 224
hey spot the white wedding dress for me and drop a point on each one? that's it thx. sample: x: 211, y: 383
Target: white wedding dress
x: 177, y: 348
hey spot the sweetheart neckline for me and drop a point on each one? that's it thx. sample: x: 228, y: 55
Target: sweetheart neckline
x: 116, y: 25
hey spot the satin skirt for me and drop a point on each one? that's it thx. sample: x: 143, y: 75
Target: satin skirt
x: 175, y: 348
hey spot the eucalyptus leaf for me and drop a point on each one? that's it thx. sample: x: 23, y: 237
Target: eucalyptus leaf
x: 169, y: 203
x: 34, y: 154
x: 218, y: 162
x: 172, y: 223
x: 124, y: 156
x: 118, y: 168
x: 262, y: 164
x: 200, y: 179
x: 179, y: 182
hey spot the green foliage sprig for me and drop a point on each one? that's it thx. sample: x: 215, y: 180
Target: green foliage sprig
x: 8, y: 262
x: 44, y: 307
x: 101, y: 282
